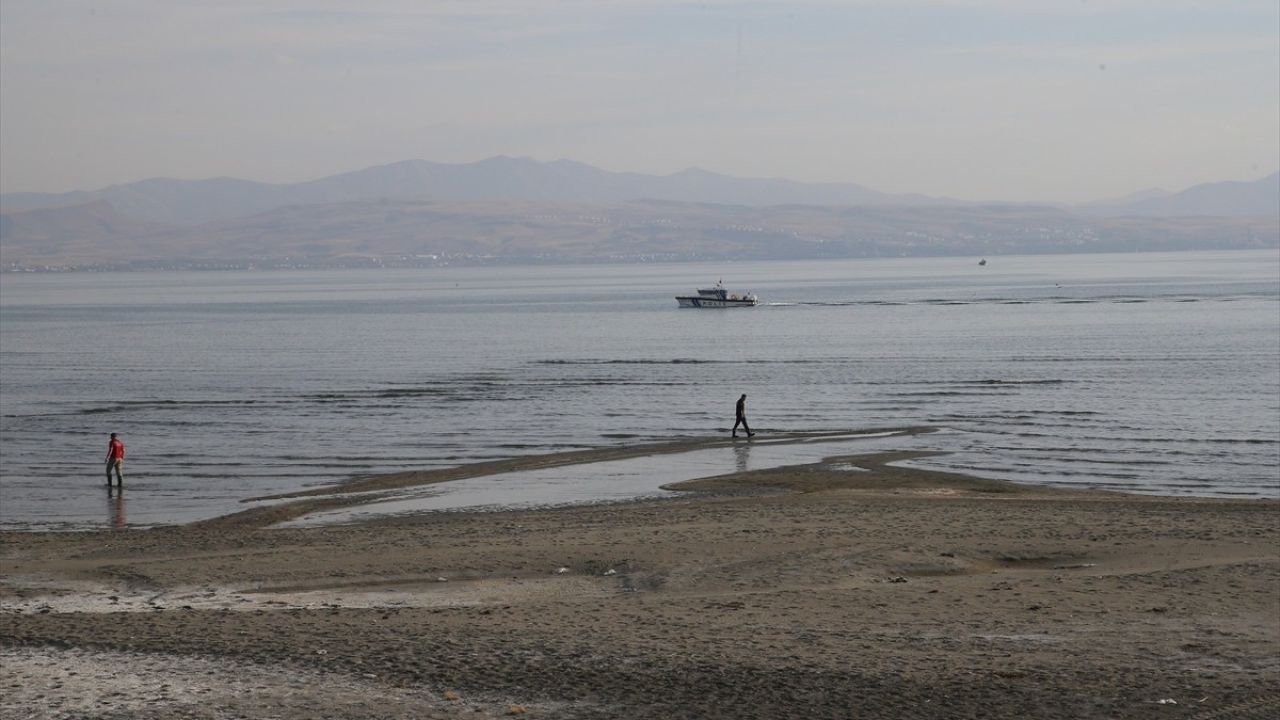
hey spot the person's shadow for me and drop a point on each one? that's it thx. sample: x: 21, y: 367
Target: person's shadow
x: 115, y: 509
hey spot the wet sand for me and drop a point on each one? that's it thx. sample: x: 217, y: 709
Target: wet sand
x: 843, y: 589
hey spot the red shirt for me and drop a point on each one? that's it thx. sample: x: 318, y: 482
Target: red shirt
x: 115, y: 450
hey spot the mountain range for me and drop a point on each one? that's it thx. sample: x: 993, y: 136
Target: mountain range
x: 1222, y: 199
x: 190, y: 202
x: 519, y: 210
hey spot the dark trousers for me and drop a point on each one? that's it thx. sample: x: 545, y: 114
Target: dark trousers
x: 742, y: 420
x: 118, y: 466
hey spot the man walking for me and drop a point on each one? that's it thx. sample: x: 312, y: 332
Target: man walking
x: 115, y: 460
x: 742, y: 417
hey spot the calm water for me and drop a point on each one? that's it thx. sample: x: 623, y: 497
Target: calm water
x: 1154, y: 372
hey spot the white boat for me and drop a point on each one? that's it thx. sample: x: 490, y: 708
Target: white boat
x: 716, y: 297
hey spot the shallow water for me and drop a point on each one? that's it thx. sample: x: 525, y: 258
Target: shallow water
x: 606, y: 481
x: 1146, y: 372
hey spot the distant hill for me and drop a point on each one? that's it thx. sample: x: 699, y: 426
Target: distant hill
x: 90, y: 232
x: 519, y: 210
x: 191, y: 202
x: 1259, y: 198
x: 426, y: 233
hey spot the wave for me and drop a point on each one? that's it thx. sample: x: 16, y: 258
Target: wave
x: 1045, y: 300
x: 1019, y: 382
x: 676, y: 361
x: 131, y: 405
x: 1022, y: 414
x: 1170, y: 440
x: 941, y: 393
x: 977, y: 381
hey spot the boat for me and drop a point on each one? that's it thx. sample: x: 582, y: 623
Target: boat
x: 716, y: 297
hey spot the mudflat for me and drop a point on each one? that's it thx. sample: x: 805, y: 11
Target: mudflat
x: 849, y: 588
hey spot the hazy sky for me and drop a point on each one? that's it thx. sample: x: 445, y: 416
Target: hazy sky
x: 1064, y: 100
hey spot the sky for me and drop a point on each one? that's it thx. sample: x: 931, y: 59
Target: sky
x: 1018, y: 100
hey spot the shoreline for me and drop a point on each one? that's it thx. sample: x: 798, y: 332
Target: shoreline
x: 363, y: 490
x: 76, y: 507
x: 849, y: 587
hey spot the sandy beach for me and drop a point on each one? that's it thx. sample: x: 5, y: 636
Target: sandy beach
x: 850, y: 588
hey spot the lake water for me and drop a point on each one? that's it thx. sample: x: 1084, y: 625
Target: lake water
x: 1153, y: 373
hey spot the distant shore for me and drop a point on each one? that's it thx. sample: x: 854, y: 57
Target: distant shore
x: 847, y: 588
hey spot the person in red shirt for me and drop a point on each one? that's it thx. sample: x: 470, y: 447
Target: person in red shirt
x: 115, y: 460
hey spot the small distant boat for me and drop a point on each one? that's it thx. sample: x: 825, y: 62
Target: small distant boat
x: 716, y: 297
